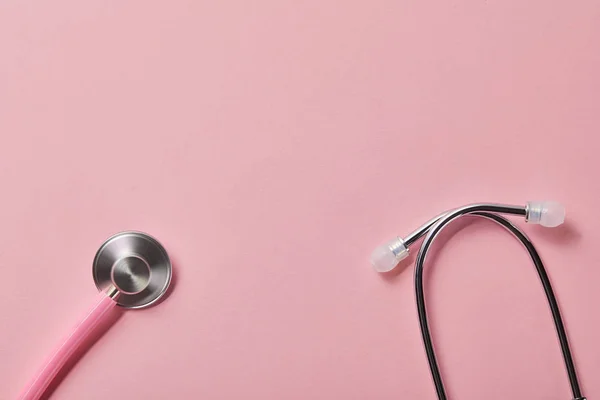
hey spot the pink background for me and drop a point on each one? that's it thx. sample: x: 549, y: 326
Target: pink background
x: 270, y: 146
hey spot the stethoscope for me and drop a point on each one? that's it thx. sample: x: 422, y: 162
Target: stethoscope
x: 546, y: 213
x: 131, y: 270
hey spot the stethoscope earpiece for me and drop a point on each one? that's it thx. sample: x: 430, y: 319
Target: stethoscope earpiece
x: 387, y: 256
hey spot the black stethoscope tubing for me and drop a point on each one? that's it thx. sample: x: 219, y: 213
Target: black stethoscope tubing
x: 488, y: 211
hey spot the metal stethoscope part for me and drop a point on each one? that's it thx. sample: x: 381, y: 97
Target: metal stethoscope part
x: 132, y: 270
x: 547, y: 213
x: 136, y: 265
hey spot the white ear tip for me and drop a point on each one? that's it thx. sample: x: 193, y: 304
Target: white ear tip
x: 546, y: 213
x: 385, y: 257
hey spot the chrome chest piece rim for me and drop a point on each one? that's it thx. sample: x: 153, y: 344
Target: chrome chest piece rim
x: 137, y: 265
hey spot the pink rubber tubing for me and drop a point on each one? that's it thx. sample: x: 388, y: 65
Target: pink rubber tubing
x: 38, y: 385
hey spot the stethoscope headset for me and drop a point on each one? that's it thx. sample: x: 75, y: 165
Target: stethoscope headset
x: 546, y: 213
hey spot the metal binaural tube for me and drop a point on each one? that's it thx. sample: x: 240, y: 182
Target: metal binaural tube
x: 418, y: 233
x: 488, y: 211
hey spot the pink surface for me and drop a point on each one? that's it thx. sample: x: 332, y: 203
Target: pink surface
x: 270, y: 146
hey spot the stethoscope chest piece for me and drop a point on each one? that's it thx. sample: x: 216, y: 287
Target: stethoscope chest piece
x: 137, y: 265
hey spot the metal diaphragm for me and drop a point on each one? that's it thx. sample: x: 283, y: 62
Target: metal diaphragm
x: 137, y: 265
